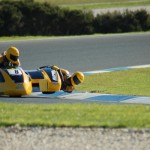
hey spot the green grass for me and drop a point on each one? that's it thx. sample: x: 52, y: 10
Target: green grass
x: 106, y: 5
x: 76, y: 2
x: 92, y: 4
x: 75, y: 115
x: 10, y: 38
x: 14, y: 38
x: 129, y: 82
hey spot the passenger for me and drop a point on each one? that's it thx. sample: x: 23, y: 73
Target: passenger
x: 69, y: 81
x: 10, y: 58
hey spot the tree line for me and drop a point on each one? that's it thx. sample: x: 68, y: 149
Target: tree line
x: 22, y: 18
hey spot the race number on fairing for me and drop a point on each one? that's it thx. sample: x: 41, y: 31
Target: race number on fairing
x: 14, y: 72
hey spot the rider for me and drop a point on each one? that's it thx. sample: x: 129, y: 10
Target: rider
x: 10, y: 57
x: 69, y: 81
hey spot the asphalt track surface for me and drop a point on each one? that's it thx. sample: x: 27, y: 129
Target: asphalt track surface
x: 84, y: 53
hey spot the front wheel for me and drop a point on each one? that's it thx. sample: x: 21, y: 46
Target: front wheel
x: 48, y: 92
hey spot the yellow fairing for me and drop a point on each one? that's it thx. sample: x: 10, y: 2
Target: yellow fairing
x: 9, y: 87
x: 48, y: 85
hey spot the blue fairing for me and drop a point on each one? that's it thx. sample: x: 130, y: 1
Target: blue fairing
x: 1, y: 78
x: 17, y: 78
x: 35, y: 74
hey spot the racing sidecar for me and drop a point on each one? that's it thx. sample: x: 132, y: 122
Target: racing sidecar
x: 14, y: 82
x: 17, y: 82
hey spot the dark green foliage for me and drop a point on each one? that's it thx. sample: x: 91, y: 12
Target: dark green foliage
x: 143, y: 19
x: 32, y: 18
x: 77, y: 22
x: 10, y: 20
x: 116, y: 22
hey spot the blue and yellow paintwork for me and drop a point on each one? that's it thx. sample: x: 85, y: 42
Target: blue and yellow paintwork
x: 46, y: 79
x: 15, y: 82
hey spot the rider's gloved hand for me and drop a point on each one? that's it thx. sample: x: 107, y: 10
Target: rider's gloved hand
x: 6, y: 64
x: 55, y: 67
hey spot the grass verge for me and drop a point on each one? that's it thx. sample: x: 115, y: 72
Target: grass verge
x: 75, y: 115
x: 10, y: 38
x: 14, y: 38
x: 93, y: 4
x: 106, y: 5
x: 129, y: 82
x: 81, y: 2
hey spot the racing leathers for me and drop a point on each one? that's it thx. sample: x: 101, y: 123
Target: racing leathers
x: 3, y: 61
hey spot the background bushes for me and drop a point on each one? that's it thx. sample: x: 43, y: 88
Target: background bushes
x: 32, y: 18
x: 117, y: 22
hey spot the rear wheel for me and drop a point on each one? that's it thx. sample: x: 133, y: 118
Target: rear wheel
x: 16, y: 96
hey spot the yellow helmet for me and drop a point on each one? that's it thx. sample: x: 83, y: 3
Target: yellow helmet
x: 77, y: 78
x: 12, y: 54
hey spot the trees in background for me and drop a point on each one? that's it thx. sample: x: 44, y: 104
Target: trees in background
x: 33, y: 18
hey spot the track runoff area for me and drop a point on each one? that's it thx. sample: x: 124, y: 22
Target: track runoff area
x: 97, y: 97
